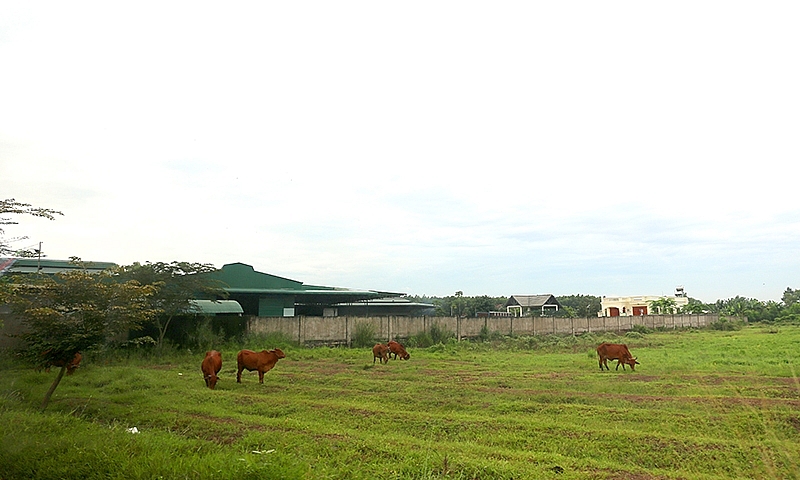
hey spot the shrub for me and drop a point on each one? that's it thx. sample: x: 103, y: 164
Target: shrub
x: 440, y: 334
x: 363, y: 335
x: 728, y: 325
x: 643, y: 329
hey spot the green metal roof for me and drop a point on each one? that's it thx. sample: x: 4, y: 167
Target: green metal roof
x: 242, y: 278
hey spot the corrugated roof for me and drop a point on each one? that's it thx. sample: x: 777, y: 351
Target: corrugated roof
x: 214, y: 307
x: 532, y: 300
x: 49, y: 266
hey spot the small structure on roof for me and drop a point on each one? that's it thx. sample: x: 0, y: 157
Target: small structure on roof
x: 528, y: 305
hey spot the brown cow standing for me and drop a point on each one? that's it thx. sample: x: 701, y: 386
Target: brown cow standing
x: 398, y: 349
x: 262, y: 361
x: 381, y: 352
x: 72, y: 365
x: 615, y: 351
x: 210, y: 367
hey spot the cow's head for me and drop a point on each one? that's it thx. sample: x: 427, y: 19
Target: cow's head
x: 405, y: 356
x: 631, y: 361
x: 278, y: 353
x: 211, y: 381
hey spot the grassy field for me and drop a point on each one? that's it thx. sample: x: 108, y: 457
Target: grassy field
x: 702, y: 405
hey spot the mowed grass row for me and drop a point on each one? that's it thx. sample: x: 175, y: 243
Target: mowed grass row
x: 702, y: 404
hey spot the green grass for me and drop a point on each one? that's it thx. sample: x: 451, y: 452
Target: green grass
x: 702, y: 405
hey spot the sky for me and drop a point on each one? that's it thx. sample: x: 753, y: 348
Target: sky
x: 492, y: 148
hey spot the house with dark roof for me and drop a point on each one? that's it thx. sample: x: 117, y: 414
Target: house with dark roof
x: 529, y: 305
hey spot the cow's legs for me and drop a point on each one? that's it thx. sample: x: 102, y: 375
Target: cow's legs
x: 239, y: 375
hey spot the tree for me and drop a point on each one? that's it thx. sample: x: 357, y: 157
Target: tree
x: 73, y: 312
x: 11, y: 206
x: 695, y: 307
x: 176, y: 284
x: 790, y: 297
x: 663, y: 306
x: 583, y: 306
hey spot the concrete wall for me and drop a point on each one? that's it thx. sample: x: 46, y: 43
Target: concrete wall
x: 340, y: 330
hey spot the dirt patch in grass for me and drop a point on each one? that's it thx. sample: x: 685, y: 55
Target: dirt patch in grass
x: 619, y: 475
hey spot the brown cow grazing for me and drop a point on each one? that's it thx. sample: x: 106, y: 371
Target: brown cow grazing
x: 381, y: 352
x: 615, y: 351
x: 72, y: 365
x: 210, y: 367
x: 262, y: 361
x: 397, y: 349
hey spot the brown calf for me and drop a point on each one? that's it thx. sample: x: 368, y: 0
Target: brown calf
x: 380, y: 352
x: 72, y: 365
x: 262, y: 361
x: 397, y: 349
x: 615, y: 351
x: 210, y: 367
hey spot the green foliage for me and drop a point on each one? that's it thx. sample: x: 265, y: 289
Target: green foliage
x: 363, y: 335
x: 435, y: 334
x: 582, y: 306
x: 204, y: 337
x: 175, y: 285
x: 73, y: 312
x: 727, y: 324
x: 663, y: 306
x: 13, y: 207
x: 790, y: 297
x: 641, y: 329
x: 461, y: 306
x: 440, y: 334
x: 755, y: 310
x: 695, y: 307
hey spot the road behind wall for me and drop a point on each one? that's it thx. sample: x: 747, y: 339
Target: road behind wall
x: 340, y: 330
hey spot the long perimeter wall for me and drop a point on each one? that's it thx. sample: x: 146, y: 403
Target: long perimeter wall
x: 340, y: 330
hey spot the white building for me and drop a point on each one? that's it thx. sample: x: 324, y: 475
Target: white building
x: 638, y: 305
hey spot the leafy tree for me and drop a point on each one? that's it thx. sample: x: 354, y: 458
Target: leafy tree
x: 73, y: 312
x: 790, y: 297
x: 176, y: 284
x: 755, y: 310
x: 11, y: 206
x: 583, y: 306
x: 695, y: 307
x: 459, y: 305
x: 664, y: 305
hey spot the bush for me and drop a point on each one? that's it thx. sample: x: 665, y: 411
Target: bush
x: 440, y: 334
x: 728, y: 325
x: 204, y: 338
x: 420, y: 340
x: 363, y: 335
x: 643, y: 329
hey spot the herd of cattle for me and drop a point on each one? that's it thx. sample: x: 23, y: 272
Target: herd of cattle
x: 265, y: 360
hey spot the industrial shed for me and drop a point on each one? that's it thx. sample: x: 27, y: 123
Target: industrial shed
x: 264, y: 295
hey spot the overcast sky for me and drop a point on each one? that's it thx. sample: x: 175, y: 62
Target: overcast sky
x: 496, y: 148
